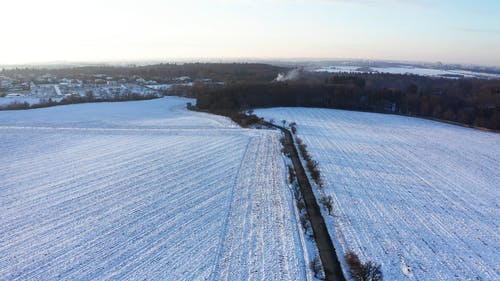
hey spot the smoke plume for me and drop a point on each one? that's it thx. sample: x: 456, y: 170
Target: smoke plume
x: 291, y: 75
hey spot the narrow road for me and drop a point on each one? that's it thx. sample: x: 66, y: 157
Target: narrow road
x: 329, y: 259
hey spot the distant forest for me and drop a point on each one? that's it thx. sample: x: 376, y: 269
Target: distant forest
x: 472, y: 102
x: 224, y: 72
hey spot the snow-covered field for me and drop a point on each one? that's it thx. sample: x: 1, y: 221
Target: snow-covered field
x: 143, y: 190
x: 8, y: 100
x: 40, y: 94
x: 165, y: 113
x: 419, y: 197
x: 453, y: 73
x: 163, y: 87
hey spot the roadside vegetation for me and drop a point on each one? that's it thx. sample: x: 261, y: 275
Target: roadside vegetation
x: 305, y: 221
x: 312, y: 165
x: 359, y: 271
x: 315, y: 173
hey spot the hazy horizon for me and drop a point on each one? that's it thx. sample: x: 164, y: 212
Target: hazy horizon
x: 461, y: 32
x: 277, y: 61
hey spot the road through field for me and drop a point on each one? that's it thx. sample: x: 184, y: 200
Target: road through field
x: 327, y: 252
x: 418, y: 197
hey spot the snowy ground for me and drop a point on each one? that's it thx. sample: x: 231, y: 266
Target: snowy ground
x: 162, y: 113
x: 143, y: 190
x: 42, y: 93
x: 31, y: 100
x: 163, y: 87
x: 417, y: 196
x: 454, y: 73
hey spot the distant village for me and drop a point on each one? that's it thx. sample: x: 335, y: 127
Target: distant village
x: 28, y: 91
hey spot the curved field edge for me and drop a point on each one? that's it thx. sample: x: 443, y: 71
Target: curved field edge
x: 417, y: 196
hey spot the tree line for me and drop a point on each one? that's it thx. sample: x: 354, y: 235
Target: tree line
x: 224, y: 72
x: 473, y: 102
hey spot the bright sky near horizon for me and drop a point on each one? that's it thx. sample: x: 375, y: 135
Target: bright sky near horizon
x: 451, y: 31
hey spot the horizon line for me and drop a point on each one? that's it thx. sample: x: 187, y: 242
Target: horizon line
x: 151, y: 61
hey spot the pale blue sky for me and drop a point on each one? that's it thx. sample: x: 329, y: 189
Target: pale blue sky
x: 96, y: 30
